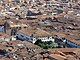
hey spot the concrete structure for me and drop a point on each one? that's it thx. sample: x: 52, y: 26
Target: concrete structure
x: 6, y: 37
x: 34, y: 35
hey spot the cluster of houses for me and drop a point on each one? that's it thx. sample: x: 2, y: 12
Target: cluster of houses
x: 23, y: 22
x: 32, y: 20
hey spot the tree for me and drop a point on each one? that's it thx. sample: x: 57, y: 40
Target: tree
x: 50, y: 42
x: 38, y: 41
x: 59, y: 45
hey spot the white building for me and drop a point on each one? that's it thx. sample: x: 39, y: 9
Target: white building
x: 34, y: 35
x: 6, y: 37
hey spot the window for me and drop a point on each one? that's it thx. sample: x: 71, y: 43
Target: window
x: 24, y: 27
x: 22, y: 36
x: 27, y: 38
x: 19, y: 28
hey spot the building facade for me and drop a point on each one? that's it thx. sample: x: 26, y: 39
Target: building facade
x: 34, y: 37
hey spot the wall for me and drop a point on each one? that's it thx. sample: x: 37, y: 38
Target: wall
x: 33, y: 39
x: 23, y: 36
x: 73, y: 44
x: 2, y: 29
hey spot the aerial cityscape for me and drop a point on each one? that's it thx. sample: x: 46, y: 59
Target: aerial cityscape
x: 39, y: 29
